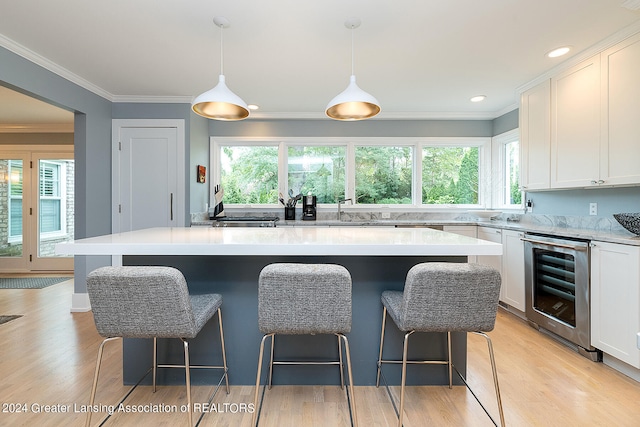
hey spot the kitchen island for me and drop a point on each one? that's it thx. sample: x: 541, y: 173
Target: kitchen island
x: 228, y: 261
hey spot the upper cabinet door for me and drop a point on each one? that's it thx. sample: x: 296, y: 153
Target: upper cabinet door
x: 575, y: 126
x: 620, y: 107
x: 535, y: 137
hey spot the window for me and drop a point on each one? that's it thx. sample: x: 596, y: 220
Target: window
x: 383, y: 175
x: 450, y: 175
x: 51, y: 207
x: 15, y: 199
x: 507, y: 173
x: 319, y: 170
x: 249, y: 174
x: 416, y: 172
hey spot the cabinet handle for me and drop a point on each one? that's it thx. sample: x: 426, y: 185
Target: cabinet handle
x: 171, y: 207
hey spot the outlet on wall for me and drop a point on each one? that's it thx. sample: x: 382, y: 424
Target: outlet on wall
x: 593, y: 209
x: 386, y: 215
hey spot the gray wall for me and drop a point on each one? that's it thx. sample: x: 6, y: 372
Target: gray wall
x: 92, y: 145
x: 506, y: 122
x: 576, y: 202
x: 331, y: 128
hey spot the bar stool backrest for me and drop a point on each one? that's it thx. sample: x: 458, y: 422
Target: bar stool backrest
x: 141, y: 302
x: 443, y: 296
x: 304, y: 299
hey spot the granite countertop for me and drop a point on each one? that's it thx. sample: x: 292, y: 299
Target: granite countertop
x: 588, y: 228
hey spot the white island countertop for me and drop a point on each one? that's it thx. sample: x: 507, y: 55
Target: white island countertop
x: 319, y: 241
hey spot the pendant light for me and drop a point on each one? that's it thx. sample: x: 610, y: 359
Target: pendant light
x: 353, y: 103
x: 220, y: 103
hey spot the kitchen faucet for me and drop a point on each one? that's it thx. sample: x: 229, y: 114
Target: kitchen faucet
x: 340, y: 202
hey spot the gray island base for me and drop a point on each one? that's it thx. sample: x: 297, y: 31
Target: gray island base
x: 236, y: 278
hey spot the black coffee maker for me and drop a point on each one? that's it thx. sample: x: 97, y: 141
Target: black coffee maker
x: 309, y: 208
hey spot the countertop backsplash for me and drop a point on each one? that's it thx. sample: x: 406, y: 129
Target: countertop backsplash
x: 584, y: 227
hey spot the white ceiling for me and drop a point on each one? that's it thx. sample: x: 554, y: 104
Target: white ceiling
x: 418, y: 58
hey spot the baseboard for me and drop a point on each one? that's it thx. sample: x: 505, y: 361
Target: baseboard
x: 621, y: 367
x: 80, y: 303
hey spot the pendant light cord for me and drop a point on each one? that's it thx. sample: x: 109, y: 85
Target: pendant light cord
x: 352, y: 60
x: 221, y: 51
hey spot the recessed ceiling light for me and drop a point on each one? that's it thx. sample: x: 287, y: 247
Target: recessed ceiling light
x: 252, y: 107
x: 478, y: 98
x: 559, y: 51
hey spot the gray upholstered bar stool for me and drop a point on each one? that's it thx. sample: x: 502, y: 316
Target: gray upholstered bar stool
x: 443, y: 297
x: 151, y: 302
x: 304, y: 299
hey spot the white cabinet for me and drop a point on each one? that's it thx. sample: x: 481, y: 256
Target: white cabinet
x: 495, y: 261
x: 513, y: 269
x: 464, y: 230
x: 510, y: 264
x: 619, y: 163
x: 615, y: 300
x: 580, y: 128
x: 575, y: 126
x: 535, y: 137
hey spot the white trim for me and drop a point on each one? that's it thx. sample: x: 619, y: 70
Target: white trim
x: 37, y: 128
x: 80, y: 303
x: 417, y: 143
x: 49, y: 65
x: 497, y: 171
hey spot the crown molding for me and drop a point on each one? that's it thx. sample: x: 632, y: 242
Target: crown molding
x: 153, y: 99
x: 36, y: 128
x: 490, y: 115
x: 52, y: 66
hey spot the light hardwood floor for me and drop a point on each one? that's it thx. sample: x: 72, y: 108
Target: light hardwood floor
x: 47, y: 357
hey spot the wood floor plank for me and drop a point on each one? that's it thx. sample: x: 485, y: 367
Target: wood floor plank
x: 47, y: 358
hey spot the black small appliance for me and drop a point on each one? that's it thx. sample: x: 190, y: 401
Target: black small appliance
x: 309, y: 208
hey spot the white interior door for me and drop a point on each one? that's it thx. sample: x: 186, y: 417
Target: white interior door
x: 148, y: 174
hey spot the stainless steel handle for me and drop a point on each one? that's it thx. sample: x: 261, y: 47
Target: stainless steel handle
x: 171, y: 207
x: 560, y: 245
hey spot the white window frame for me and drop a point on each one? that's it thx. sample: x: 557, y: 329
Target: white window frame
x: 498, y: 172
x: 12, y: 238
x: 62, y: 196
x: 484, y: 164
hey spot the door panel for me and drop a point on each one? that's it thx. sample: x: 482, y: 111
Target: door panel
x: 15, y: 187
x: 148, y: 175
x: 54, y: 209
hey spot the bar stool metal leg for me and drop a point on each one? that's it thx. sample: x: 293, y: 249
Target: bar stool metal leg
x: 403, y: 381
x: 95, y: 378
x: 188, y: 380
x: 224, y: 351
x: 449, y: 361
x: 258, y: 405
x: 494, y: 371
x: 155, y: 362
x: 350, y: 394
x: 340, y: 363
x: 384, y: 321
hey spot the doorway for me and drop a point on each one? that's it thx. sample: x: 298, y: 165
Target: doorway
x: 37, y: 207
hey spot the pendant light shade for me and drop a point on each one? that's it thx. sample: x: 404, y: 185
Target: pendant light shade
x: 353, y: 103
x: 220, y: 103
